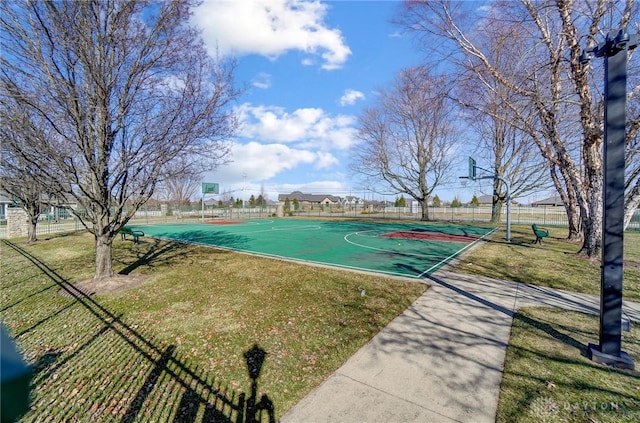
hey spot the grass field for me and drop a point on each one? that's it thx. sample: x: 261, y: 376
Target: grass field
x: 174, y: 347
x: 554, y: 263
x: 549, y: 379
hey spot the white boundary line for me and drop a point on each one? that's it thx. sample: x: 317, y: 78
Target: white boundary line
x: 292, y: 259
x: 443, y: 261
x: 376, y: 248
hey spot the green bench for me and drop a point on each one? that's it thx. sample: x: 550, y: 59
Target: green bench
x: 128, y: 231
x: 539, y: 233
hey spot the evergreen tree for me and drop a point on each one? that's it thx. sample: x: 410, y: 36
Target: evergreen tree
x: 437, y: 202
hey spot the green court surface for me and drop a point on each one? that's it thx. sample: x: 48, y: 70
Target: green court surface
x: 400, y: 249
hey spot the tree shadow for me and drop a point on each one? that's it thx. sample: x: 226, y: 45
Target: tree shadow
x: 156, y: 380
x: 160, y: 251
x: 167, y: 247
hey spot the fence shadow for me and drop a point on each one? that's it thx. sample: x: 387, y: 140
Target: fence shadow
x: 157, y: 382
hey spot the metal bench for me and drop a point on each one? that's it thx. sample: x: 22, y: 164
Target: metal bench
x: 539, y: 233
x: 128, y: 231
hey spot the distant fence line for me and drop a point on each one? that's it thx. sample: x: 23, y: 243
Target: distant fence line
x: 545, y: 215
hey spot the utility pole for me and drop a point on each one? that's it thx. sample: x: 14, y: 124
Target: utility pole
x: 614, y: 50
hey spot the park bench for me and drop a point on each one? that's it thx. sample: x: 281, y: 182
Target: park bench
x: 128, y: 231
x: 539, y: 233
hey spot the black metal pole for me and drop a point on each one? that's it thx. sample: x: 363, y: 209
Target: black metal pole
x: 610, y: 343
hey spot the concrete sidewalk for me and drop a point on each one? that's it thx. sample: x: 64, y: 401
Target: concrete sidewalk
x: 439, y: 361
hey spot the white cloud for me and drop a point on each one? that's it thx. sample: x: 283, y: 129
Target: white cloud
x: 259, y: 162
x: 264, y: 161
x: 309, y: 128
x: 350, y: 97
x: 271, y: 28
x: 262, y: 81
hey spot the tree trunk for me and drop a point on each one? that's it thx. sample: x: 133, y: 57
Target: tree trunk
x: 104, y: 265
x: 425, y: 210
x: 592, y: 243
x: 31, y: 229
x: 573, y: 218
x: 496, y: 212
x: 569, y: 200
x: 591, y: 214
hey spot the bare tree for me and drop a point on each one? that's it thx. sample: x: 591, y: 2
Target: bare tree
x: 262, y: 198
x: 550, y: 36
x: 182, y: 181
x: 407, y: 137
x: 508, y: 150
x: 122, y: 87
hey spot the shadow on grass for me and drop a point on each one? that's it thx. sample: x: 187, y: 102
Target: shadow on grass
x: 130, y: 377
x: 160, y: 250
x: 553, y: 332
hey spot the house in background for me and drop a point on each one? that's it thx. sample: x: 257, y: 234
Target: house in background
x: 310, y: 199
x: 555, y: 201
x: 50, y: 209
x: 351, y: 201
x: 5, y: 203
x: 485, y: 200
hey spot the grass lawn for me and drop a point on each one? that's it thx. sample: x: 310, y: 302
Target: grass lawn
x: 548, y: 377
x: 174, y: 347
x: 554, y: 263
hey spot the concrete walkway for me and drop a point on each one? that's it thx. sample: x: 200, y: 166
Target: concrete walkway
x: 439, y: 361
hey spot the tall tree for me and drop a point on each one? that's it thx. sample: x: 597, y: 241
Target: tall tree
x: 549, y: 76
x: 262, y: 198
x: 502, y: 145
x: 121, y: 87
x: 406, y: 139
x: 181, y: 180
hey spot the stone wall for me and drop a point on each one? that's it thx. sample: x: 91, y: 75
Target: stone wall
x: 17, y: 223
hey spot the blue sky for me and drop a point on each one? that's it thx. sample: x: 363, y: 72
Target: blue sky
x: 310, y: 68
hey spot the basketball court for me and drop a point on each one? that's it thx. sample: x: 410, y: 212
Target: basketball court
x: 400, y: 249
